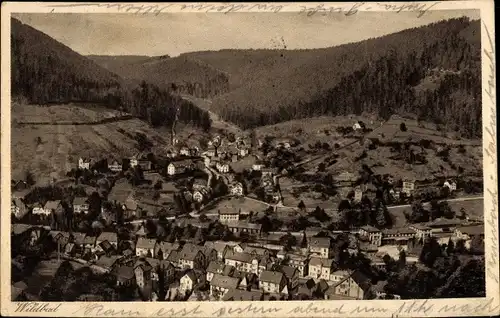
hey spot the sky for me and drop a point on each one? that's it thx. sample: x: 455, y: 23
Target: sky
x: 173, y: 34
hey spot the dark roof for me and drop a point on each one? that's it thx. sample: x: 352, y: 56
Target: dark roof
x: 124, y: 272
x: 289, y: 271
x: 80, y: 200
x: 370, y: 228
x: 472, y: 230
x: 320, y: 242
x: 145, y: 243
x: 271, y: 277
x: 242, y: 295
x: 224, y: 281
x: 394, y: 231
x: 362, y: 280
x: 108, y: 236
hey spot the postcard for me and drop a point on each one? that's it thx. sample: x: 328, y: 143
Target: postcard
x: 236, y: 159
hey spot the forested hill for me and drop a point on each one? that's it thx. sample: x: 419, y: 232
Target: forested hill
x: 433, y: 71
x: 45, y: 71
x: 188, y: 76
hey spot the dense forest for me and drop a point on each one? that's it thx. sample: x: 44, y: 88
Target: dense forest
x: 45, y: 71
x: 432, y: 71
x: 188, y: 76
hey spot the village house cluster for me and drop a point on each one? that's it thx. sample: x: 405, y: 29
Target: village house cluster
x: 261, y: 268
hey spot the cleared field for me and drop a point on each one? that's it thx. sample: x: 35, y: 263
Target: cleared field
x: 59, y: 147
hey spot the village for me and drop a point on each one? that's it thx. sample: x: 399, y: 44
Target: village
x: 213, y: 224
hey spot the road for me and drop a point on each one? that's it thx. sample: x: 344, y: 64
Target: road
x: 195, y: 215
x: 447, y: 200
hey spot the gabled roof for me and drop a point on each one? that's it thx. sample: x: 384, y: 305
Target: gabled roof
x: 145, y: 243
x: 108, y: 236
x: 242, y: 295
x: 17, y: 228
x: 219, y: 246
x: 370, y: 229
x: 323, y: 262
x: 52, y: 205
x: 362, y: 280
x: 80, y: 200
x: 288, y: 271
x: 271, y: 277
x: 472, y: 229
x: 224, y: 281
x: 89, y: 240
x: 189, y: 255
x: 322, y: 242
x: 124, y: 272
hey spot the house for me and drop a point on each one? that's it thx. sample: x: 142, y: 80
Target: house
x: 300, y: 262
x: 161, y: 266
x: 244, y: 227
x: 321, y: 268
x: 179, y: 167
x: 163, y: 249
x: 358, y: 126
x: 441, y: 225
x: 89, y: 242
x: 115, y: 166
x: 371, y: 233
x: 192, y: 259
x: 142, y: 271
x: 228, y: 215
x: 397, y: 236
x: 452, y: 185
x: 188, y: 281
x: 125, y: 275
x: 354, y: 286
x: 124, y: 197
x: 222, y: 167
x: 291, y: 275
x: 145, y: 247
x: 133, y: 161
x: 408, y: 187
x: 184, y: 151
x: 320, y: 246
x: 242, y: 295
x: 236, y: 188
x: 268, y: 172
x: 258, y: 166
x: 219, y: 246
x: 421, y: 231
x: 80, y: 205
x: 220, y: 285
x: 468, y: 233
x: 18, y: 208
x: 19, y: 186
x: 358, y: 194
x: 339, y: 275
x: 145, y: 164
x: 246, y: 262
x: 257, y: 251
x: 110, y: 237
x: 217, y: 267
x: 210, y: 151
x: 61, y: 238
x: 273, y: 282
x: 50, y: 207
x: 108, y: 263
x: 84, y: 163
x: 201, y: 194
x: 19, y: 229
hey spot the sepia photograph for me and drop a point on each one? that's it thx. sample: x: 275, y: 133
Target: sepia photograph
x: 246, y: 154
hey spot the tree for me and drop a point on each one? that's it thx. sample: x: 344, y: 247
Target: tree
x: 450, y: 247
x: 301, y: 205
x: 402, y: 127
x: 199, y: 237
x: 30, y: 178
x: 430, y: 252
x: 402, y: 259
x: 287, y: 241
x: 303, y: 244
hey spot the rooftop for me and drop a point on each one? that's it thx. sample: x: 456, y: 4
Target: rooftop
x: 224, y: 281
x: 271, y: 277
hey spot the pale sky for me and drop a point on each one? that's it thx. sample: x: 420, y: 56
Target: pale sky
x: 172, y: 34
